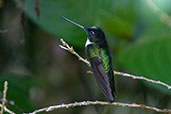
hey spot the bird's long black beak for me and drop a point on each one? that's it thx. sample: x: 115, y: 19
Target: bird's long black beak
x: 74, y: 23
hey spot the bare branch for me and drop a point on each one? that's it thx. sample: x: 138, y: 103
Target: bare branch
x: 87, y: 103
x: 71, y: 50
x: 4, y: 96
x: 3, y: 107
x: 7, y: 110
x: 141, y: 78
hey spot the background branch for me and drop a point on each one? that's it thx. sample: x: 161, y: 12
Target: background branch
x: 7, y: 110
x: 87, y: 103
x: 3, y: 107
x: 4, y: 96
x: 71, y: 50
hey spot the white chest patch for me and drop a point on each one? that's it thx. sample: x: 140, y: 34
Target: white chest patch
x: 88, y: 42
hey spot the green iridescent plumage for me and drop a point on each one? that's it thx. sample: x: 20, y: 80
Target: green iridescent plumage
x: 105, y: 60
x: 94, y: 51
x: 101, y: 54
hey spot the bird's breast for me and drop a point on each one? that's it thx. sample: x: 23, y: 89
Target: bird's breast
x: 92, y: 51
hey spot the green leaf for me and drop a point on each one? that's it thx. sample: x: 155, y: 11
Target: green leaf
x: 18, y: 91
x: 118, y: 27
x: 85, y: 12
x: 149, y: 57
x: 121, y: 22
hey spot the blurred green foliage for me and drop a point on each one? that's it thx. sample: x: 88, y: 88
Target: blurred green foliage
x: 138, y: 34
x: 149, y: 58
x: 18, y: 90
x: 119, y: 19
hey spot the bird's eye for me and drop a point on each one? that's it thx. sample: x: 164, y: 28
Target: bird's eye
x: 92, y: 32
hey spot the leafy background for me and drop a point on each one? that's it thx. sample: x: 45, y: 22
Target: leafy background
x: 41, y: 74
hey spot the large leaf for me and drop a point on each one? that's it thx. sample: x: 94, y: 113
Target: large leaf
x: 85, y: 12
x: 149, y: 57
x: 121, y: 22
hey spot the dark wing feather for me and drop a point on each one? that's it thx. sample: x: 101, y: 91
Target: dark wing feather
x: 101, y: 78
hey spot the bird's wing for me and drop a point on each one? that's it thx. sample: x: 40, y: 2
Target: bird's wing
x: 107, y: 65
x: 101, y: 77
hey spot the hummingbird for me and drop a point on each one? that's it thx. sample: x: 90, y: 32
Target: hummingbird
x: 99, y: 55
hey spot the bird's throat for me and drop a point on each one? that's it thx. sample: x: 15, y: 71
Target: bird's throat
x: 88, y: 42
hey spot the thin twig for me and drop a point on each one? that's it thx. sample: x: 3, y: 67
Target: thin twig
x: 7, y: 110
x: 87, y: 103
x: 3, y: 107
x: 4, y: 96
x: 13, y: 104
x: 71, y: 50
x: 142, y: 78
